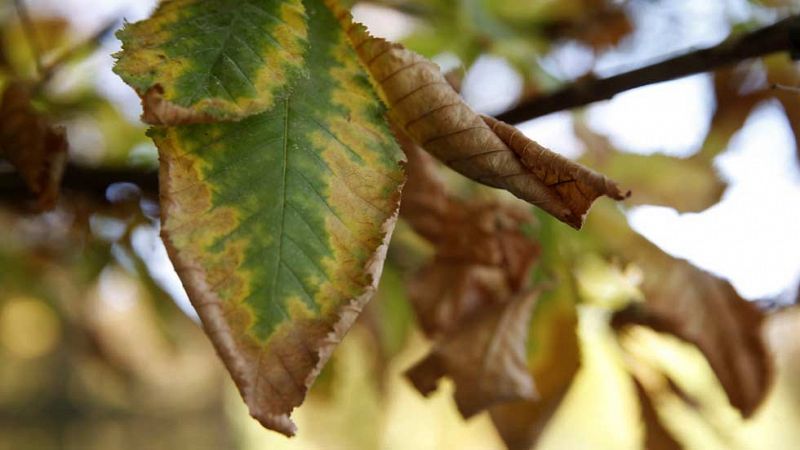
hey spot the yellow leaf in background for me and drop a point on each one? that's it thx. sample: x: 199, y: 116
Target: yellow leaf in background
x: 686, y: 184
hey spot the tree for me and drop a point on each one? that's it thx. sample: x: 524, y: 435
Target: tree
x: 282, y: 128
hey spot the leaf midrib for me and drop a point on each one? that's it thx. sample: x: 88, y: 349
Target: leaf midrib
x: 279, y: 253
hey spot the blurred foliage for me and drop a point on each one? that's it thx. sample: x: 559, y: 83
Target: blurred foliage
x: 95, y: 354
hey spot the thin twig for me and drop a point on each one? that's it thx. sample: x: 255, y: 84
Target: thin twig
x: 30, y: 33
x: 761, y: 42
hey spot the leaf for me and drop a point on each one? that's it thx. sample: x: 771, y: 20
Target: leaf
x: 686, y: 184
x: 697, y: 307
x: 706, y: 311
x: 278, y: 224
x: 485, y: 357
x: 730, y: 114
x: 482, y: 257
x: 35, y: 147
x: 424, y: 106
x: 554, y: 353
x: 473, y: 297
x: 209, y: 60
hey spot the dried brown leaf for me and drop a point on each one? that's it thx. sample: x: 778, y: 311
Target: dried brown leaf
x: 697, y: 307
x: 485, y: 357
x: 732, y: 110
x: 423, y: 105
x: 553, y: 365
x: 481, y: 256
x: 444, y: 294
x: 36, y: 148
x: 472, y: 296
x: 704, y: 310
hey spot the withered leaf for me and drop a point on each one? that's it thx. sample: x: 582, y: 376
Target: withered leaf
x: 473, y: 295
x: 553, y: 365
x: 444, y: 293
x: 482, y: 258
x: 423, y: 105
x: 704, y: 310
x: 36, y: 148
x: 485, y: 357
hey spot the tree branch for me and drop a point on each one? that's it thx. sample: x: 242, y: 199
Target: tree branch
x: 779, y: 37
x: 87, y: 180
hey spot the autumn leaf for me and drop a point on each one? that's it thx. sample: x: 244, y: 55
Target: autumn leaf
x: 554, y: 354
x: 424, y: 106
x: 473, y: 297
x: 695, y: 306
x: 203, y: 61
x: 553, y: 366
x: 732, y: 110
x: 278, y: 224
x: 485, y: 357
x: 706, y: 311
x: 686, y: 184
x: 737, y: 97
x: 781, y: 71
x: 36, y: 148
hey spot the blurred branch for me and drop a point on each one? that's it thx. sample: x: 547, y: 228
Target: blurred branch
x: 88, y: 180
x: 774, y: 38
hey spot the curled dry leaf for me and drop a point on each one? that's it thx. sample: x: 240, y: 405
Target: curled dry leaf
x: 424, y: 106
x: 704, y: 310
x: 695, y: 306
x: 554, y: 361
x: 473, y: 295
x: 482, y: 257
x: 35, y: 147
x: 485, y: 357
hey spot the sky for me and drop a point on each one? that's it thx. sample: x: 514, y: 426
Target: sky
x: 749, y: 238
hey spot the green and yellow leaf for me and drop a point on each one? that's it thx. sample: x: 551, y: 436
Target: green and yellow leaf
x: 278, y: 224
x: 199, y: 61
